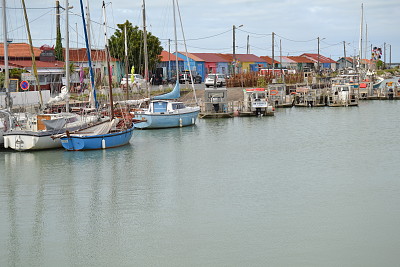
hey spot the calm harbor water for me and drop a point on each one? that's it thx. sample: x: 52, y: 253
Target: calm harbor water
x: 308, y: 187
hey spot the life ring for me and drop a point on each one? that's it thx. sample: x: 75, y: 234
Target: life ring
x: 273, y: 92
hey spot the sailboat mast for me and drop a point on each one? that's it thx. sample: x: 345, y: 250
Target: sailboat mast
x: 176, y: 43
x: 7, y: 72
x: 146, y: 61
x: 126, y: 63
x: 88, y: 52
x: 67, y: 69
x: 32, y: 53
x: 361, y: 34
x: 108, y: 60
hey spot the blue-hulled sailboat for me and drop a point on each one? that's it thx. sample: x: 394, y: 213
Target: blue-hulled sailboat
x: 107, y: 134
x: 164, y: 111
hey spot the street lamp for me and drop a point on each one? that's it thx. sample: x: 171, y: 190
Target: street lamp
x: 234, y: 48
x: 318, y: 53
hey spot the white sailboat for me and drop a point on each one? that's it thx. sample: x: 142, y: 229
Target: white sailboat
x: 34, y: 131
x: 164, y: 111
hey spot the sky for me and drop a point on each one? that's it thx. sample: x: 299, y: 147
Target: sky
x: 208, y: 25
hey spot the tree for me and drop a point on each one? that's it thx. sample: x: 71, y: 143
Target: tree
x: 58, y: 49
x: 135, y: 47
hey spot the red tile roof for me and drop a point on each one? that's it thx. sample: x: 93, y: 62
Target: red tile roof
x: 80, y: 55
x: 322, y: 59
x: 19, y: 50
x: 210, y: 57
x: 191, y: 56
x: 249, y: 58
x: 269, y: 60
x: 300, y: 59
x: 228, y: 57
x: 39, y: 64
x: 166, y: 56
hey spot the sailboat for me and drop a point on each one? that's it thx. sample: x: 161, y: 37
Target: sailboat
x: 164, y: 111
x: 35, y: 131
x: 114, y: 132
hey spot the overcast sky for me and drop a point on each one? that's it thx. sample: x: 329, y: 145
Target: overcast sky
x: 208, y: 24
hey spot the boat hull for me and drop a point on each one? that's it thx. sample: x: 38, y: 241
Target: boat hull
x: 94, y: 142
x: 158, y: 120
x: 30, y: 141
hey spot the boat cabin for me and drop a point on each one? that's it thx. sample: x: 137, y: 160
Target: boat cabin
x: 215, y: 101
x: 342, y: 94
x: 165, y: 106
x: 256, y: 102
x: 279, y: 97
x: 305, y: 96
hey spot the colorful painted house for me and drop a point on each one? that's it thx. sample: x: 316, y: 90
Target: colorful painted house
x: 288, y: 63
x: 167, y: 65
x: 325, y: 62
x: 250, y: 62
x: 245, y: 62
x: 192, y: 63
x: 213, y: 63
x: 302, y: 63
x: 267, y: 59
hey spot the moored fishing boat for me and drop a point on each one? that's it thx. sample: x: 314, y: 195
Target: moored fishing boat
x: 278, y: 95
x: 256, y: 103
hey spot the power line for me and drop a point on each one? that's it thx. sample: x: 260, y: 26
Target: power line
x: 296, y: 40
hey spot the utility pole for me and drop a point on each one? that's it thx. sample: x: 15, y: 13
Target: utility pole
x: 280, y: 60
x: 248, y: 44
x: 318, y: 58
x: 384, y: 55
x: 390, y: 56
x: 344, y: 53
x: 233, y: 54
x: 273, y: 53
x: 234, y: 48
x: 57, y: 14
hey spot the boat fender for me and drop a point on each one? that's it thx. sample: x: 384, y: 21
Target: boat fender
x: 180, y: 122
x: 103, y: 143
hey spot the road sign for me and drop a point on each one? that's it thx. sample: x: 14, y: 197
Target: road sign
x: 24, y: 85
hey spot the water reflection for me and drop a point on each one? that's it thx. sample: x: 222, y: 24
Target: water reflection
x: 220, y: 193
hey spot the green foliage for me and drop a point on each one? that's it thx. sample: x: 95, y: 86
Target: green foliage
x: 135, y: 47
x: 2, y: 76
x: 58, y: 50
x: 16, y: 73
x: 379, y: 64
